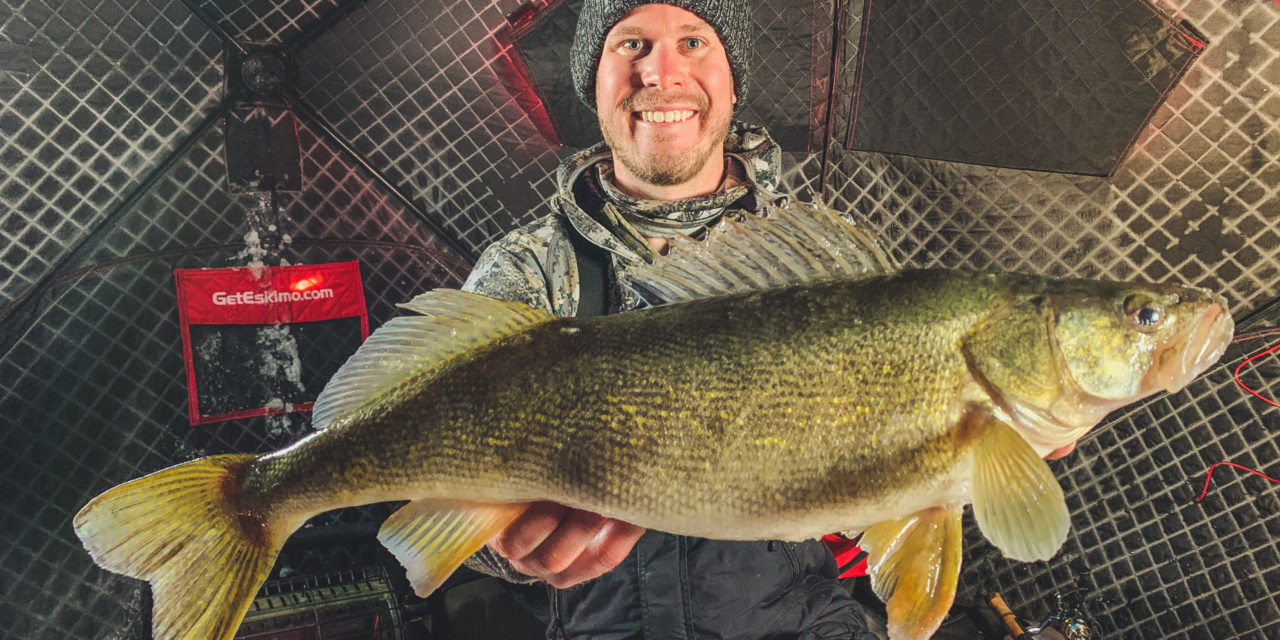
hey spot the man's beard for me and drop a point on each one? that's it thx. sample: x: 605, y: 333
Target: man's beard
x: 663, y: 167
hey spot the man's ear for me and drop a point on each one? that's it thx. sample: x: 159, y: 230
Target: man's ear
x: 735, y: 98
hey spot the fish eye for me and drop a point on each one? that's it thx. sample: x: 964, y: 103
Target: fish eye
x: 1143, y: 313
x: 1148, y: 316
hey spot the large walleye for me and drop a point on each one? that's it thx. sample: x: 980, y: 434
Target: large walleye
x: 880, y: 401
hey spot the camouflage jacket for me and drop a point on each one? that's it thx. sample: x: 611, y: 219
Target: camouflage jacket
x: 536, y: 264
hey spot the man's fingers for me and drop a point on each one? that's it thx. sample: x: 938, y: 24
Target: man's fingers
x: 562, y: 547
x: 523, y: 536
x: 607, y: 550
x: 565, y: 544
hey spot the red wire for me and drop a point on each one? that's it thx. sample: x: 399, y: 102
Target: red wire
x: 1229, y: 464
x: 1236, y: 375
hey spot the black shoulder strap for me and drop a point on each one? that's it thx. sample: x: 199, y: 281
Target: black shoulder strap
x: 593, y: 276
x: 594, y: 263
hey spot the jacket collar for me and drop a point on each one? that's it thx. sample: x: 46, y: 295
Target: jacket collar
x: 748, y: 145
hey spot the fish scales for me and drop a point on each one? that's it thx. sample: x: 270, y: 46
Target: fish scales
x: 693, y: 417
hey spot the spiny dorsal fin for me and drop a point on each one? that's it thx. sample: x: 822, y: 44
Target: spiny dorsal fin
x: 452, y: 322
x: 800, y: 243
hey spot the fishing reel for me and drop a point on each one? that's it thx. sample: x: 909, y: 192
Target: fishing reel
x: 1066, y: 623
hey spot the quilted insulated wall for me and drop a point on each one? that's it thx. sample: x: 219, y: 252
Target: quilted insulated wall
x: 1098, y: 138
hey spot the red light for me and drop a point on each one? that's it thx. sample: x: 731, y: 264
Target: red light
x: 305, y: 283
x: 515, y: 75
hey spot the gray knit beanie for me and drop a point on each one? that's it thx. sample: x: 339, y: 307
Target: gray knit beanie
x: 730, y: 19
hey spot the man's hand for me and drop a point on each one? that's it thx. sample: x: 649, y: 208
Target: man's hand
x: 563, y: 546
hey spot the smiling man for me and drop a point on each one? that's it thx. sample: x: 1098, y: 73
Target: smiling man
x: 664, y: 79
x: 665, y: 95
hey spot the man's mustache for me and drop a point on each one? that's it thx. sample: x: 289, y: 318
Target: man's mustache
x: 646, y: 100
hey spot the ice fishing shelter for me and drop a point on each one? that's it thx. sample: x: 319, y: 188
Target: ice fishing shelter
x: 1102, y: 138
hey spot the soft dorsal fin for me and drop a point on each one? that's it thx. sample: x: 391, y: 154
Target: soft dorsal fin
x: 799, y: 243
x: 452, y: 322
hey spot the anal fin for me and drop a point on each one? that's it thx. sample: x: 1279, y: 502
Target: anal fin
x: 431, y: 538
x: 1016, y: 499
x: 914, y: 564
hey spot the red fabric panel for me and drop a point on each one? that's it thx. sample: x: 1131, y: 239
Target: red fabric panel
x: 845, y: 551
x: 270, y: 295
x: 264, y: 295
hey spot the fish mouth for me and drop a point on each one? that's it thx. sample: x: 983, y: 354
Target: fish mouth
x: 1188, y: 355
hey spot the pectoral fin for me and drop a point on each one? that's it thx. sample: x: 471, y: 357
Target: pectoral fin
x: 1016, y: 499
x: 914, y: 564
x: 432, y: 538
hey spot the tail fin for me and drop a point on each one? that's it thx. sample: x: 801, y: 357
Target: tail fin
x: 181, y: 529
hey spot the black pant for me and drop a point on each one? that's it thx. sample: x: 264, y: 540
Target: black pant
x: 679, y: 588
